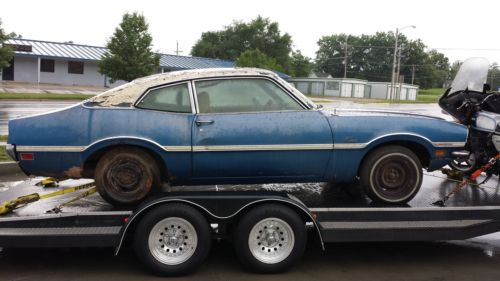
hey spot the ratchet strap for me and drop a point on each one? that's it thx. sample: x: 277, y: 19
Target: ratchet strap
x: 11, y: 205
x: 470, y: 180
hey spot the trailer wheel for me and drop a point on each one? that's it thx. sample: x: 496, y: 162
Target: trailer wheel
x: 125, y: 176
x: 391, y: 174
x: 172, y: 240
x: 270, y: 238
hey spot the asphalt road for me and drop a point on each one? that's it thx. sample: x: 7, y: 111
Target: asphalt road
x: 437, y: 261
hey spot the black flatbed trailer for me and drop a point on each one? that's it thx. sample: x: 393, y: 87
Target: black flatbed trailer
x: 342, y: 216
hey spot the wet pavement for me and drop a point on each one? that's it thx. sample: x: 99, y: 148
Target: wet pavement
x: 12, y: 109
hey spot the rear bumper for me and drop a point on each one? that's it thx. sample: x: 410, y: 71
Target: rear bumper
x: 11, y: 151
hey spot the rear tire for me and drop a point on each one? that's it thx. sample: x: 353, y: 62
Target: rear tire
x: 391, y: 175
x: 172, y: 240
x: 270, y: 238
x: 125, y: 176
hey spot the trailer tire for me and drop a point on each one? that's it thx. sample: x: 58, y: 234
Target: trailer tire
x: 172, y: 240
x: 283, y: 244
x: 391, y: 175
x: 126, y: 175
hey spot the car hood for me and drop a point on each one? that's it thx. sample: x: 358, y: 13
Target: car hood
x: 374, y: 112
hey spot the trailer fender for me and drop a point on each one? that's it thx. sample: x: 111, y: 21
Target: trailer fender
x: 298, y: 207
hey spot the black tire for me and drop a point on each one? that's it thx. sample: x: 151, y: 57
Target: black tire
x: 277, y: 214
x: 148, y: 255
x: 391, y: 175
x: 125, y: 176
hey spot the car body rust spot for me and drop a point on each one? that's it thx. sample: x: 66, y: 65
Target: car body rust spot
x: 74, y: 172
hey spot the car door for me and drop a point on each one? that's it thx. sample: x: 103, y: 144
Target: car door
x: 166, y: 118
x: 252, y: 128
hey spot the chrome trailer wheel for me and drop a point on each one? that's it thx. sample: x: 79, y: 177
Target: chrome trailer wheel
x: 270, y: 238
x: 173, y: 239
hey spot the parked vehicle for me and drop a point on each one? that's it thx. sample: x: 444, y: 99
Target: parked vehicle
x: 472, y: 104
x: 223, y: 126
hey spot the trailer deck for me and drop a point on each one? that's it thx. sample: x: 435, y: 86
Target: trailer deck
x: 342, y: 213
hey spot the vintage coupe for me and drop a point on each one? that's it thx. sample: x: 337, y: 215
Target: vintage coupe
x: 224, y: 126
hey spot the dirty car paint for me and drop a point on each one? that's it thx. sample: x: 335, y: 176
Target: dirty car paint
x: 281, y: 146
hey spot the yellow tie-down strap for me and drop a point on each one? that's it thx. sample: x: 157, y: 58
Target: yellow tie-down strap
x: 11, y: 205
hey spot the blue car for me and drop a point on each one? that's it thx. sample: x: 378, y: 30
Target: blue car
x: 228, y: 126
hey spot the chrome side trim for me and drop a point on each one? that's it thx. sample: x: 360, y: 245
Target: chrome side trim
x: 448, y: 144
x: 349, y: 145
x: 208, y: 148
x: 51, y: 148
x: 177, y: 148
x: 205, y: 148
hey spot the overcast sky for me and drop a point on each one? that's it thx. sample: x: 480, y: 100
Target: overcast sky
x: 459, y: 29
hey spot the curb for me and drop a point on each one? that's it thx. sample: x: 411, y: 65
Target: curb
x: 9, y: 169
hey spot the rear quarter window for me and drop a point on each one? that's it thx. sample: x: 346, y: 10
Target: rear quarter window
x: 171, y: 99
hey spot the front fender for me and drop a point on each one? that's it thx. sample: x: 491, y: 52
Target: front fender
x: 401, y: 137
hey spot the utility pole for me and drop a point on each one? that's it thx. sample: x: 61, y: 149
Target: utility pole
x: 412, y: 73
x: 177, y: 51
x: 345, y: 58
x: 398, y: 77
x: 394, y: 74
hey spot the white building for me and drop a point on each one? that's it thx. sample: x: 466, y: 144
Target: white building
x: 353, y: 88
x: 334, y: 87
x: 74, y: 64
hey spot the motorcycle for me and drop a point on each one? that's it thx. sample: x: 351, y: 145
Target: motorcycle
x: 471, y: 103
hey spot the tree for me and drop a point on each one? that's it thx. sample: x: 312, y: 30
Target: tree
x: 256, y: 58
x: 6, y: 52
x: 494, y: 76
x: 130, y: 55
x: 300, y: 65
x: 235, y: 39
x: 455, y: 66
x: 370, y: 57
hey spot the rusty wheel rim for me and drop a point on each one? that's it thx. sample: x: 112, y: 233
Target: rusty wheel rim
x: 128, y: 178
x: 395, y: 177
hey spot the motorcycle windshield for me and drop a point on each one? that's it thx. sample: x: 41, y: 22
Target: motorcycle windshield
x: 472, y: 75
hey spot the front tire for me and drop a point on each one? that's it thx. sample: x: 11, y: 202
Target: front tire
x: 270, y: 238
x: 391, y: 175
x: 125, y: 176
x: 172, y: 240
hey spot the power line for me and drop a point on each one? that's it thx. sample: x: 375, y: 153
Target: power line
x: 431, y: 48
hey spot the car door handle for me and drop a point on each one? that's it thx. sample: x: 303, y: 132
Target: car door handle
x: 204, y: 122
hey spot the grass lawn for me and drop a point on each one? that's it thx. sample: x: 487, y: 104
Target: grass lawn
x: 429, y: 95
x: 28, y: 96
x: 3, y: 155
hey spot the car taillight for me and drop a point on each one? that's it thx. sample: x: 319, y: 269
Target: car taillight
x: 27, y: 156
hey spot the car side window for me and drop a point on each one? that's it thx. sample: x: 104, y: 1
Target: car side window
x: 242, y: 95
x: 171, y: 98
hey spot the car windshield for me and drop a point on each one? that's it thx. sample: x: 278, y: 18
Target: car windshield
x: 471, y: 75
